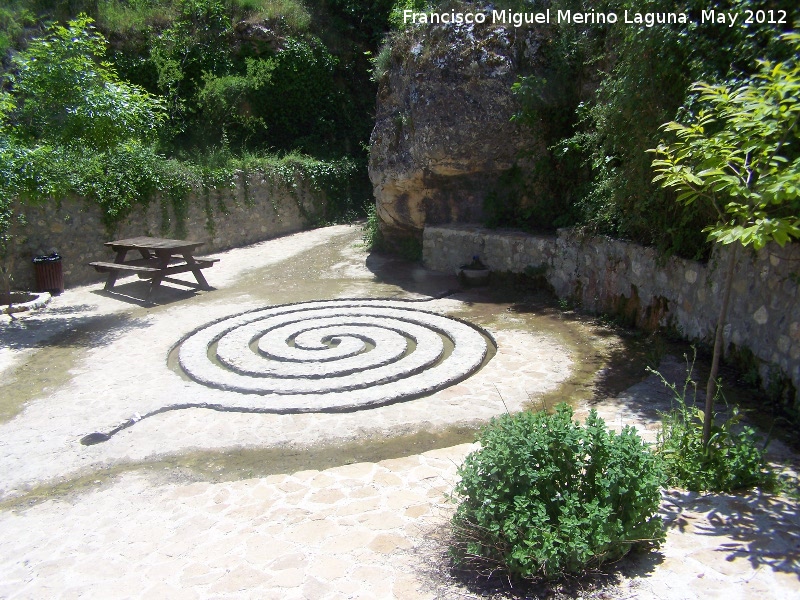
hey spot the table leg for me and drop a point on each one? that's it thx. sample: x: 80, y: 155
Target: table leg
x: 198, y: 274
x: 155, y: 282
x: 112, y: 275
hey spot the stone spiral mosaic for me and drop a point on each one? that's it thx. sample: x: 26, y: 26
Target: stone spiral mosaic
x: 332, y: 355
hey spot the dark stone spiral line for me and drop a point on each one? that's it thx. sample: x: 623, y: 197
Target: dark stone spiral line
x: 343, y: 355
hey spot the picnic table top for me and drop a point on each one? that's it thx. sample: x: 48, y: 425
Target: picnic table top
x: 151, y: 243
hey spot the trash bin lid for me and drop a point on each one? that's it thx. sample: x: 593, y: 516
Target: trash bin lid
x: 48, y: 258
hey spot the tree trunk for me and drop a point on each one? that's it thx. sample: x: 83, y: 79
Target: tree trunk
x: 711, y: 386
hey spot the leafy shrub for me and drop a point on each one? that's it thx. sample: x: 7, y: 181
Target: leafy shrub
x: 66, y: 96
x: 732, y: 460
x: 396, y: 16
x: 299, y: 103
x: 381, y: 62
x: 371, y: 234
x: 225, y: 100
x: 291, y: 13
x: 70, y: 126
x: 606, y: 90
x: 133, y: 15
x: 544, y: 496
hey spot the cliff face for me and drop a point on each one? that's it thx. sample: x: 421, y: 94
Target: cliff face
x: 443, y: 133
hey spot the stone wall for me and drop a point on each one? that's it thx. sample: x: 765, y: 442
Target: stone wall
x: 609, y: 276
x: 222, y: 219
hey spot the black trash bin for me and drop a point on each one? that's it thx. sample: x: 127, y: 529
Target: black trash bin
x: 49, y: 274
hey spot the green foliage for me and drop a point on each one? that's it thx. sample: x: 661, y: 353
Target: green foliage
x: 126, y: 15
x: 299, y: 103
x: 70, y: 126
x: 225, y: 100
x: 117, y: 179
x: 371, y: 235
x: 381, y: 61
x: 64, y: 95
x: 194, y: 46
x: 740, y: 154
x: 599, y: 108
x: 545, y: 496
x: 8, y: 174
x: 14, y: 17
x: 299, y: 82
x: 367, y: 18
x: 336, y: 179
x: 733, y: 459
x: 544, y: 193
x: 134, y: 15
x: 533, y: 199
x: 396, y: 19
x: 291, y: 14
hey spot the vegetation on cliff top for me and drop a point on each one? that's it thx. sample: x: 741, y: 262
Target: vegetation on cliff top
x: 600, y: 105
x: 151, y: 95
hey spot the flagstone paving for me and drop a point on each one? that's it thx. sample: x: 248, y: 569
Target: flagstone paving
x: 133, y: 517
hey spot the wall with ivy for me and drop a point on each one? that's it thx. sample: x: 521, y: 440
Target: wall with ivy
x: 257, y: 208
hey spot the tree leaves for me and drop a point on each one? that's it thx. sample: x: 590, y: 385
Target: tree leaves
x: 64, y: 94
x: 740, y: 153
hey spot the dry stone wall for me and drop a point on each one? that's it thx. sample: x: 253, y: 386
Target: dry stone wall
x: 225, y: 218
x: 610, y: 276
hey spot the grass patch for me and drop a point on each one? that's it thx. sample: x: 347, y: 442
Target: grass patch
x: 291, y: 13
x: 735, y: 457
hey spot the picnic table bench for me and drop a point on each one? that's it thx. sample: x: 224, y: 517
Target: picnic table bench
x: 160, y: 258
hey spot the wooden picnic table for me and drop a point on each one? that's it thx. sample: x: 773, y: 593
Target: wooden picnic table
x: 160, y: 258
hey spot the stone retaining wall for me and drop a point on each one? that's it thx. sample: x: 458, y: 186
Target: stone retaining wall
x: 609, y: 276
x: 221, y: 219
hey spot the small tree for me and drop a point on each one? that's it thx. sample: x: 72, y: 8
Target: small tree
x: 740, y: 153
x: 66, y: 95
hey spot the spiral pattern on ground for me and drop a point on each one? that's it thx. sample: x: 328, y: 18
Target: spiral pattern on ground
x: 332, y: 355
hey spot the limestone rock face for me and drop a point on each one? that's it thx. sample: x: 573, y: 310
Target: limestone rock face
x: 443, y: 133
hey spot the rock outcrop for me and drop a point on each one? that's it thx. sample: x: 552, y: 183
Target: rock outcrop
x: 443, y: 132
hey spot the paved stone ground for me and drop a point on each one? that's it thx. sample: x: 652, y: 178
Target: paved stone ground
x: 133, y: 527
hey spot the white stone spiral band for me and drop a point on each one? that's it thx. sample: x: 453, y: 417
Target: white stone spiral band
x: 331, y: 355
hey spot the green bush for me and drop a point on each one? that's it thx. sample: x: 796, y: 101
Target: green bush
x: 300, y: 101
x: 733, y: 459
x: 225, y: 100
x: 371, y: 234
x: 65, y: 95
x: 545, y: 496
x: 291, y: 13
x: 597, y: 106
x: 396, y: 16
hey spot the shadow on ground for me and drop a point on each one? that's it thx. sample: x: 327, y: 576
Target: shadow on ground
x: 408, y: 276
x: 764, y: 529
x: 446, y: 580
x: 61, y: 329
x: 135, y: 293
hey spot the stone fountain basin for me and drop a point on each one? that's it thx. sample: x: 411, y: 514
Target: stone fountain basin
x: 474, y: 277
x: 23, y: 301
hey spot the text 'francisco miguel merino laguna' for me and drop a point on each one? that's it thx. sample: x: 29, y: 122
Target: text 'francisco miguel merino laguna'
x: 517, y: 19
